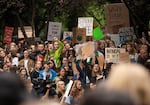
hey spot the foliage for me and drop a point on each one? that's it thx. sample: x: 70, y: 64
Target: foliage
x: 37, y: 13
x: 96, y: 10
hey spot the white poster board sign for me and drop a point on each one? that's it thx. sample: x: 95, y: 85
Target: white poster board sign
x: 112, y: 55
x: 86, y: 22
x: 28, y: 30
x: 54, y: 30
x: 69, y: 86
x: 115, y: 38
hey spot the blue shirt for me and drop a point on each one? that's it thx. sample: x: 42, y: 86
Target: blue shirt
x: 51, y: 72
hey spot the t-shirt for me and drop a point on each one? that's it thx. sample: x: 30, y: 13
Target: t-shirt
x: 15, y: 61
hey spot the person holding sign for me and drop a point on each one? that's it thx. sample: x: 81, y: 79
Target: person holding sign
x: 58, y: 47
x: 98, y: 58
x: 96, y: 74
x: 75, y: 94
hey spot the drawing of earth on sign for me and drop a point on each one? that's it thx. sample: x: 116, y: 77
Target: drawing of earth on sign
x: 79, y: 38
x: 68, y: 38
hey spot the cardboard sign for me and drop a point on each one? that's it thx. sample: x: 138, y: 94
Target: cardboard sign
x: 54, y: 30
x: 85, y: 50
x: 68, y: 35
x: 8, y: 35
x: 79, y: 35
x: 112, y: 55
x: 86, y: 22
x: 117, y: 16
x: 101, y: 60
x: 88, y: 50
x: 124, y: 57
x: 28, y: 30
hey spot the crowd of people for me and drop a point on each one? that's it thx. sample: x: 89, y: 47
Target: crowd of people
x: 46, y: 68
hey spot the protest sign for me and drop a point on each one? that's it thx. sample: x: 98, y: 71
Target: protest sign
x: 69, y: 86
x: 78, y: 51
x: 115, y: 38
x: 98, y: 34
x: 126, y: 30
x: 88, y: 50
x: 67, y: 92
x: 28, y: 30
x: 54, y: 30
x: 8, y: 35
x: 101, y: 60
x: 86, y: 22
x: 68, y: 35
x: 84, y: 50
x: 117, y: 16
x: 126, y: 34
x: 112, y: 55
x: 124, y: 57
x: 79, y: 35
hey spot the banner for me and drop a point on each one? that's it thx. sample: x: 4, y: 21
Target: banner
x: 79, y: 35
x: 84, y: 50
x: 54, y: 30
x: 86, y: 22
x: 117, y: 16
x: 68, y: 35
x: 112, y: 55
x: 8, y: 35
x: 28, y: 30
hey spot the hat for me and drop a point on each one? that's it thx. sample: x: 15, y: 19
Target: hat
x: 47, y: 62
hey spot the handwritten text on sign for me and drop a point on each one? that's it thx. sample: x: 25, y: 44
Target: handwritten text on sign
x: 86, y: 22
x: 112, y: 55
x: 54, y: 30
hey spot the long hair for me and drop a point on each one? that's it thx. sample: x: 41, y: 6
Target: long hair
x: 54, y: 65
x: 75, y: 92
x: 20, y: 70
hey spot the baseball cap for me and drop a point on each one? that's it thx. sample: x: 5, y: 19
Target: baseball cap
x: 47, y: 62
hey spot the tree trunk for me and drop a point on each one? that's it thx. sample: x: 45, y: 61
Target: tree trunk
x: 33, y: 16
x: 21, y: 26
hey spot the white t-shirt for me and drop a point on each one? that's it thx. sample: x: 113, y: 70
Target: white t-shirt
x: 15, y: 61
x: 26, y: 65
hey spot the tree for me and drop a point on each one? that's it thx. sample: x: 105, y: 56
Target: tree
x: 139, y: 11
x: 11, y: 12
